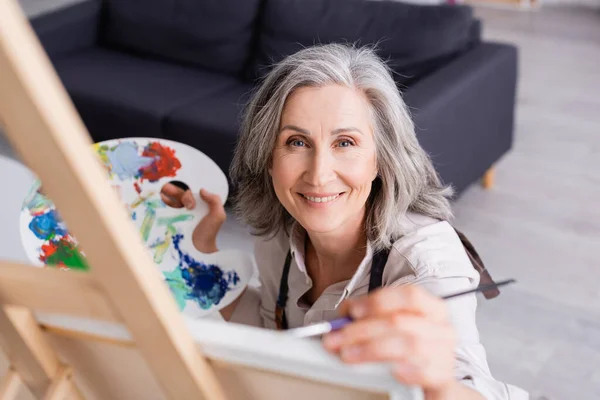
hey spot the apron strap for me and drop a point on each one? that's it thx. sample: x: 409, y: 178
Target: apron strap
x: 484, y: 274
x: 375, y: 282
x: 280, y: 318
x: 379, y: 260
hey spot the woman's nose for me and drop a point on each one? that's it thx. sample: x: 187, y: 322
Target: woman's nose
x: 321, y: 169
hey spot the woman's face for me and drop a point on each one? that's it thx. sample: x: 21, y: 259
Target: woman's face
x: 324, y: 159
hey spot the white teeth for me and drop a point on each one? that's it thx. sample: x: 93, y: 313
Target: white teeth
x: 321, y: 199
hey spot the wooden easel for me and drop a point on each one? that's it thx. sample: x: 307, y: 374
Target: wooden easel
x: 123, y: 287
x: 46, y: 131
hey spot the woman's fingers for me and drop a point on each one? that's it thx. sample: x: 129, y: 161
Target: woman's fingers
x: 400, y: 346
x: 204, y: 236
x: 356, y: 332
x: 188, y: 200
x: 386, y: 348
x: 413, y: 330
x: 173, y: 195
x: 421, y: 351
x: 177, y: 197
x: 215, y: 208
x: 172, y: 190
x: 391, y: 300
x: 406, y: 326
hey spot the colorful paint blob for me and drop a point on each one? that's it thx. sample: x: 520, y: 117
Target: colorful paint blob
x: 58, y: 248
x: 63, y: 253
x: 205, y: 284
x: 137, y: 169
x: 126, y: 160
x: 47, y: 225
x: 37, y: 203
x: 164, y: 163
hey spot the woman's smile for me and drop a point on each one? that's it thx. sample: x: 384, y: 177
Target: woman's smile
x: 320, y: 200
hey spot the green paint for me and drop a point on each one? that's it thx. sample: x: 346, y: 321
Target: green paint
x: 147, y: 223
x: 154, y: 203
x: 177, y: 286
x: 160, y: 249
x: 40, y: 201
x: 173, y: 220
x: 68, y: 255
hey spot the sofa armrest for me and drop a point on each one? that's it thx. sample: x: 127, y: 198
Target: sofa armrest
x: 68, y: 29
x: 464, y: 112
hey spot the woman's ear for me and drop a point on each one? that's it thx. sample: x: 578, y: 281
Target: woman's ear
x: 270, y: 171
x: 375, y: 169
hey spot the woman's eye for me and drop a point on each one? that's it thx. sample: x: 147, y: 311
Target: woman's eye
x: 296, y: 143
x: 345, y: 143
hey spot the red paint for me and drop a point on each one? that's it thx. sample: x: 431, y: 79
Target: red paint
x: 165, y: 163
x: 48, y: 250
x: 64, y: 254
x: 137, y: 187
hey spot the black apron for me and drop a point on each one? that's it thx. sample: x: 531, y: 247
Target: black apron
x: 375, y: 281
x: 376, y: 278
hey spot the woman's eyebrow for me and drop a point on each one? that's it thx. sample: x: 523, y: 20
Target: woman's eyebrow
x: 334, y: 132
x: 344, y: 130
x: 295, y: 128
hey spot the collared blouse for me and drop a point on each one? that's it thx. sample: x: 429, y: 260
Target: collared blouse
x: 430, y: 254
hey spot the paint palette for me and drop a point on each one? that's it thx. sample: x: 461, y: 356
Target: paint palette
x: 138, y: 168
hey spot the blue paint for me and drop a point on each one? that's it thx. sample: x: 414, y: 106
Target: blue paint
x: 48, y: 225
x: 126, y: 162
x: 206, y: 284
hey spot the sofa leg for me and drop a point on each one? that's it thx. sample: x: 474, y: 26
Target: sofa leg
x: 487, y: 181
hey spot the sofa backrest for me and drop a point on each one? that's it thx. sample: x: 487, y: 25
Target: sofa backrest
x: 213, y: 34
x: 411, y: 37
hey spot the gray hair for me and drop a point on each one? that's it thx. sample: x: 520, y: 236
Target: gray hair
x: 407, y: 180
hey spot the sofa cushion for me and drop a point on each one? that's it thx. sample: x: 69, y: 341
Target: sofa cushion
x: 118, y: 95
x: 464, y: 112
x: 214, y: 34
x: 68, y: 29
x: 210, y: 123
x: 407, y: 34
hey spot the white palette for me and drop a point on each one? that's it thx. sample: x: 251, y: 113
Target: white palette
x: 137, y: 168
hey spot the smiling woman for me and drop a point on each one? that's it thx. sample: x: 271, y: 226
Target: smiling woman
x: 352, y: 88
x: 352, y: 219
x: 322, y: 174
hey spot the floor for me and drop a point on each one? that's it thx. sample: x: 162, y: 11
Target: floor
x: 540, y: 223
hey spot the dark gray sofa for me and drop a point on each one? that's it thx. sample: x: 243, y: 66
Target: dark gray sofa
x: 183, y: 70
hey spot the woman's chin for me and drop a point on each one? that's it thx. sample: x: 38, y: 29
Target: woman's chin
x: 319, y: 225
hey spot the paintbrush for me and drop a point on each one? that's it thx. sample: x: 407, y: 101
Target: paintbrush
x: 337, y: 324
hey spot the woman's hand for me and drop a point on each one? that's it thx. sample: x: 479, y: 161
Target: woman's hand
x: 407, y: 327
x: 205, y: 233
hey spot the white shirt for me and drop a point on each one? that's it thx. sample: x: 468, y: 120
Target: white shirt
x: 430, y: 254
